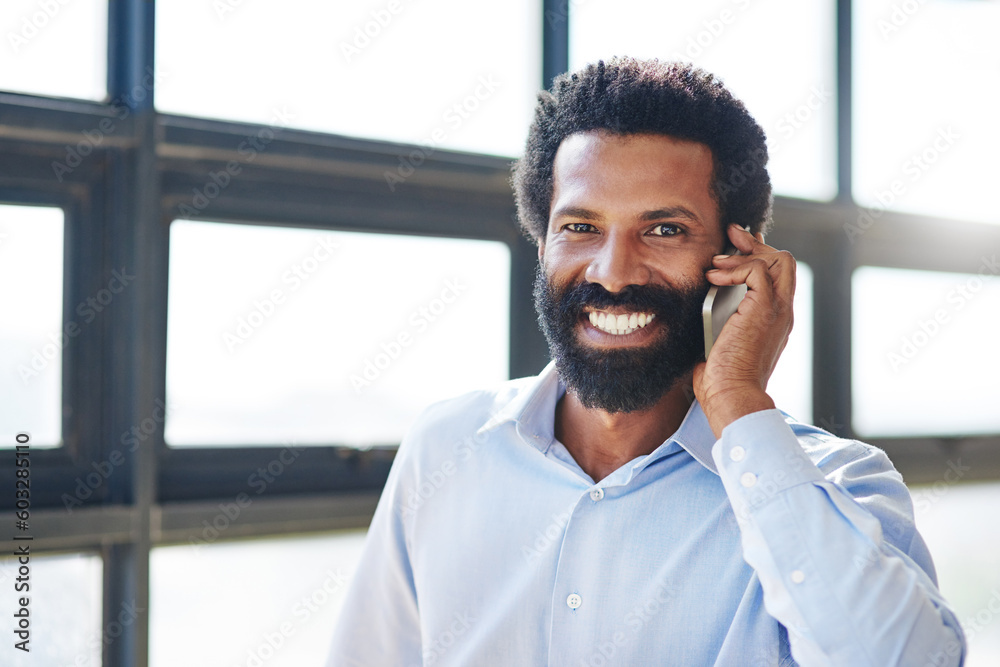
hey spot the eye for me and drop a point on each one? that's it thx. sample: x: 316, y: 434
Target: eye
x: 579, y: 227
x: 665, y: 229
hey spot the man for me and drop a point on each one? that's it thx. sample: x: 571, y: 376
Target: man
x: 635, y: 504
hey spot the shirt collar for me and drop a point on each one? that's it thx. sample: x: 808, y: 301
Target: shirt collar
x: 532, y: 410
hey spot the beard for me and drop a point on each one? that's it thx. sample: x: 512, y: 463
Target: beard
x: 622, y: 379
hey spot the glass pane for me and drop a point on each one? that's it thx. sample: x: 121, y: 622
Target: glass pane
x: 925, y: 97
x: 63, y: 610
x: 442, y: 73
x: 241, y: 604
x: 791, y: 384
x: 778, y: 57
x: 55, y: 47
x: 32, y: 336
x: 279, y: 334
x: 925, y: 354
x: 965, y: 543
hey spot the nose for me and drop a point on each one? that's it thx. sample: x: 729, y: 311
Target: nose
x: 617, y: 264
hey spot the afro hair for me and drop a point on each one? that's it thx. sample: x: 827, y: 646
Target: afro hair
x: 626, y: 96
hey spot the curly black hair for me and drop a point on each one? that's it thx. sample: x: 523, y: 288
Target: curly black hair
x: 627, y: 96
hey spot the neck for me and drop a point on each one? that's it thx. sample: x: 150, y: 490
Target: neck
x: 601, y: 442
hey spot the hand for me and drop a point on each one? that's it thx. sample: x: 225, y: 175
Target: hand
x: 733, y: 381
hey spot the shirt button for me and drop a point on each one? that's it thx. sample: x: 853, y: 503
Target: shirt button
x: 798, y: 576
x: 574, y: 601
x: 597, y: 494
x: 748, y: 479
x: 737, y: 453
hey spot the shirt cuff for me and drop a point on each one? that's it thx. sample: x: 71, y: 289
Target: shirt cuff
x: 759, y: 456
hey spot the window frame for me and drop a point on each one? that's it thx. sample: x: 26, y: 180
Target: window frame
x: 27, y: 178
x: 335, y: 183
x: 119, y: 204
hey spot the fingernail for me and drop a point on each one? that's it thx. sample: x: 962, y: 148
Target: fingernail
x: 718, y: 257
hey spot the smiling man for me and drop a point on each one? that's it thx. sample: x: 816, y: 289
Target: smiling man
x: 636, y: 504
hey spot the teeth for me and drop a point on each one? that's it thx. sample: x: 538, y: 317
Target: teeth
x: 619, y: 325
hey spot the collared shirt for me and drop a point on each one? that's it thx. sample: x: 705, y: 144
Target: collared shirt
x: 775, y: 545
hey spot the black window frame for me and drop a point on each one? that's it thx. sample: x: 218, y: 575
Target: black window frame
x: 120, y: 202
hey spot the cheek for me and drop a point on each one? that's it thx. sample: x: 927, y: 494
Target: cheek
x: 564, y: 261
x: 683, y: 271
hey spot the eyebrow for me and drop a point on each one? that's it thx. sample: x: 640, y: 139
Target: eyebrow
x: 648, y: 216
x: 670, y: 212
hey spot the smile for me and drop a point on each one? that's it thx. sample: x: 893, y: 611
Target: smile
x: 619, y: 325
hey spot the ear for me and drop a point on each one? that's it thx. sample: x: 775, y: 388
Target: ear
x: 541, y: 252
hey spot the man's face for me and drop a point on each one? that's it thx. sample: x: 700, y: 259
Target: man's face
x: 632, y: 230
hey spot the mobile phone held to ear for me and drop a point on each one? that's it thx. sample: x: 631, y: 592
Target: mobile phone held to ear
x: 720, y: 304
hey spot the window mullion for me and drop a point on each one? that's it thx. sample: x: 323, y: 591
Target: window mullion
x: 136, y: 241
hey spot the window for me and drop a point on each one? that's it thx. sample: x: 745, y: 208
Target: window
x: 796, y: 108
x: 55, y: 47
x: 200, y: 592
x: 292, y: 335
x: 64, y: 609
x: 925, y: 137
x: 963, y: 539
x: 923, y: 352
x: 442, y: 74
x: 208, y: 408
x: 34, y: 337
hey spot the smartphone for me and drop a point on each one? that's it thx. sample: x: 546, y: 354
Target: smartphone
x: 720, y: 304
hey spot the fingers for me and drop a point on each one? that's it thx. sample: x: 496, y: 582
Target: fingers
x: 752, y: 271
x: 765, y: 269
x: 784, y: 281
x: 744, y: 241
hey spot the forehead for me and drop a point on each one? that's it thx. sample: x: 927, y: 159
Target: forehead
x: 644, y: 169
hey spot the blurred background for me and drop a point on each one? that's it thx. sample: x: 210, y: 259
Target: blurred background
x: 243, y: 243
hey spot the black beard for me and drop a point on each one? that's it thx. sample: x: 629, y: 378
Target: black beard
x: 626, y: 379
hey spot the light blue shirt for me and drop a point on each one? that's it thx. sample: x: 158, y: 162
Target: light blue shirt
x: 775, y: 545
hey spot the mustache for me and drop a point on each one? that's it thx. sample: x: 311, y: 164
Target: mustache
x: 622, y: 380
x: 656, y: 299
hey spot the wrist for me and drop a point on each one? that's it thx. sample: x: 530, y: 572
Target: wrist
x: 726, y: 406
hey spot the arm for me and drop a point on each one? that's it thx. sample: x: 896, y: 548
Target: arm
x: 379, y: 622
x: 846, y: 593
x: 841, y: 564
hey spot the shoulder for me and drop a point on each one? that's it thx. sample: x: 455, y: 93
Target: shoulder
x: 446, y: 426
x: 836, y: 456
x: 471, y: 410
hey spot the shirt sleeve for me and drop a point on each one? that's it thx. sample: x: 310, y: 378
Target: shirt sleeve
x: 379, y: 623
x: 839, y: 560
